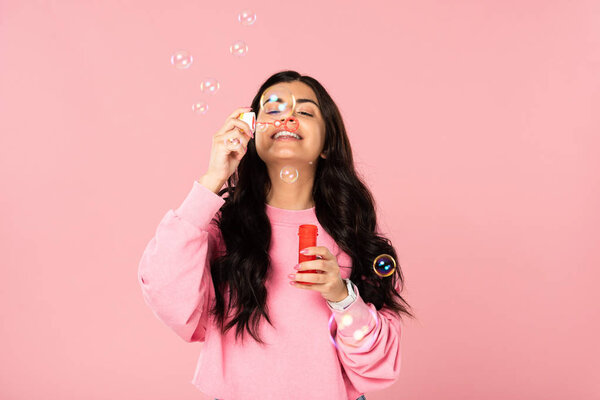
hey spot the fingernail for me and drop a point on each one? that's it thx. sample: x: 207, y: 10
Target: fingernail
x: 303, y: 251
x: 292, y: 283
x: 297, y: 266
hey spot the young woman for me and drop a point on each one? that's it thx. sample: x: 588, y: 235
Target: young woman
x: 218, y: 262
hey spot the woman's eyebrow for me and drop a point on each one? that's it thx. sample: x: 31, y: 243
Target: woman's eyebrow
x: 306, y: 101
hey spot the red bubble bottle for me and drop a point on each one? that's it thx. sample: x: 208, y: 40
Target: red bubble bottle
x: 307, y: 238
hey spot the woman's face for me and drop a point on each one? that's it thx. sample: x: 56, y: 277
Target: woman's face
x: 311, y: 129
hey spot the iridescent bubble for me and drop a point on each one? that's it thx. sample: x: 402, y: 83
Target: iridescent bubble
x: 239, y: 48
x: 232, y: 143
x: 288, y: 174
x: 209, y: 85
x: 261, y: 127
x: 200, y: 107
x: 276, y: 104
x: 384, y: 265
x: 247, y: 17
x: 182, y: 59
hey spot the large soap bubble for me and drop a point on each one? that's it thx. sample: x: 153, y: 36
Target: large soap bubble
x: 276, y: 105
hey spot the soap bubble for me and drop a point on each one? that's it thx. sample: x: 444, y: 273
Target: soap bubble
x: 384, y: 265
x: 200, y: 107
x: 288, y: 174
x: 261, y: 127
x: 209, y: 85
x: 182, y: 59
x: 239, y: 48
x: 247, y: 17
x: 360, y: 327
x: 232, y: 143
x: 276, y: 104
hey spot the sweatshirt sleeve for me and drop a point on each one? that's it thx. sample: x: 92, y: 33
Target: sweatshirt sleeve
x: 369, y: 351
x: 174, y: 271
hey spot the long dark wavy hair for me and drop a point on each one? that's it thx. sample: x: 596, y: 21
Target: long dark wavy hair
x: 343, y: 205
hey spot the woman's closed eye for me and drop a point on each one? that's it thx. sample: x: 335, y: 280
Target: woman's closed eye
x: 305, y: 113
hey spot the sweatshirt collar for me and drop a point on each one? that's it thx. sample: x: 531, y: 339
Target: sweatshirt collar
x: 306, y: 216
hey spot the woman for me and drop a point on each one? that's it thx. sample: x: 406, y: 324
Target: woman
x: 218, y: 259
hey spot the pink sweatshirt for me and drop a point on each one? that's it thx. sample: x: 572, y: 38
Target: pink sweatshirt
x: 300, y: 360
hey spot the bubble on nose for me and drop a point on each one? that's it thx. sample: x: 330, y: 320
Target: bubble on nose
x: 288, y: 174
x: 209, y: 85
x: 276, y: 104
x: 247, y: 17
x: 238, y: 48
x: 384, y: 265
x: 200, y: 108
x: 182, y: 59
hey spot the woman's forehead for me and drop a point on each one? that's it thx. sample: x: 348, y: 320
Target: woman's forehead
x: 298, y: 89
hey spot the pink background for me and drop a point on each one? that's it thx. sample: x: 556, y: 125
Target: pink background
x: 474, y: 123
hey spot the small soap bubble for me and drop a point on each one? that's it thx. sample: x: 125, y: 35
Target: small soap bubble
x: 182, y: 59
x: 384, y: 265
x: 261, y: 127
x: 232, y: 143
x: 239, y: 48
x: 200, y: 107
x: 247, y: 17
x: 288, y: 174
x: 209, y: 85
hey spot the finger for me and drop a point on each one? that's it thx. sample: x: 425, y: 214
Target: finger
x: 314, y: 286
x: 239, y: 152
x: 239, y: 126
x: 239, y: 111
x: 319, y: 265
x: 235, y: 132
x: 305, y: 278
x: 244, y: 124
x: 239, y: 149
x: 318, y: 251
x: 245, y: 127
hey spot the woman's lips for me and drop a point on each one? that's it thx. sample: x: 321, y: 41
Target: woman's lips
x: 284, y: 138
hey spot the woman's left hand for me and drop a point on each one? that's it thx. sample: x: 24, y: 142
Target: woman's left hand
x: 328, y: 281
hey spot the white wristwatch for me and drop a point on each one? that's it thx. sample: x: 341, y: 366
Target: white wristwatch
x: 342, y: 305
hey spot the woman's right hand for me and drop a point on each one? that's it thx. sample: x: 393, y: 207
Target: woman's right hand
x: 223, y: 161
